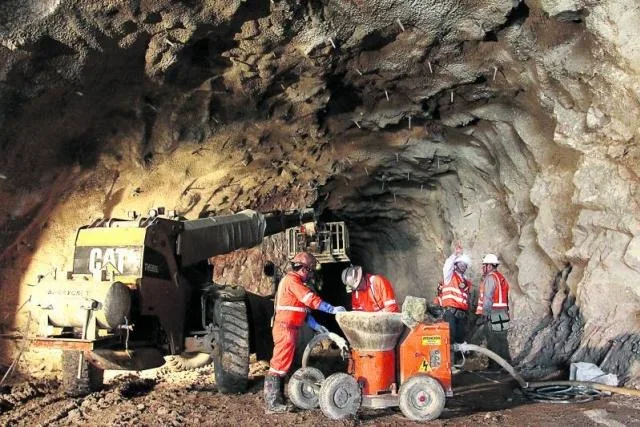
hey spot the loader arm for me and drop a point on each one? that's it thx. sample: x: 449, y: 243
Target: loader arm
x: 204, y: 238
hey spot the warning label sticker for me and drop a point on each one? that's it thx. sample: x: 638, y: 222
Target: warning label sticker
x: 424, y: 366
x: 431, y: 340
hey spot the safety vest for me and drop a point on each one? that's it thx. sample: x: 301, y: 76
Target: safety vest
x: 456, y: 293
x: 500, y: 294
x: 293, y: 300
x: 378, y: 295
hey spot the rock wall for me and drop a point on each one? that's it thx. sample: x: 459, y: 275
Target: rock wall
x: 509, y: 125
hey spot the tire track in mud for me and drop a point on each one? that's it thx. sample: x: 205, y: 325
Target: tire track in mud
x: 43, y: 404
x: 41, y: 410
x: 12, y: 397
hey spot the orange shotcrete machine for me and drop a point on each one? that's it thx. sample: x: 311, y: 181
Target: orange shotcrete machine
x: 389, y: 365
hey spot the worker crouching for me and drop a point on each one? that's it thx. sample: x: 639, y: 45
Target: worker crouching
x: 293, y: 301
x: 369, y: 292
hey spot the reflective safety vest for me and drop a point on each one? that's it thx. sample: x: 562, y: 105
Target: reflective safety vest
x: 293, y: 300
x: 500, y: 293
x: 456, y: 293
x: 378, y: 295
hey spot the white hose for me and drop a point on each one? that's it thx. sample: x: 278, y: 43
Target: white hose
x: 340, y: 342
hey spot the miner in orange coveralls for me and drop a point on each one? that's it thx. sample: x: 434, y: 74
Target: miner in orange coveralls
x: 369, y: 292
x: 293, y: 301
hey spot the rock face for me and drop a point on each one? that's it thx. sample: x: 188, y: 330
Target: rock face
x: 511, y: 126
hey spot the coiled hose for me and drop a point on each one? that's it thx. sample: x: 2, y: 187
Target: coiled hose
x: 550, y: 391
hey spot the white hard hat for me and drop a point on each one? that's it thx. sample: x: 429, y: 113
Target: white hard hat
x: 490, y: 259
x: 351, y: 277
x: 464, y: 258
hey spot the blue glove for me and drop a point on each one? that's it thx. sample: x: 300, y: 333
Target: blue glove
x: 328, y: 308
x: 313, y: 324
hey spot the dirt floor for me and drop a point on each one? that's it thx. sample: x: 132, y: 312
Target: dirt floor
x: 190, y: 398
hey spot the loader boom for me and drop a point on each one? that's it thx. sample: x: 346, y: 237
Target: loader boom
x: 204, y: 238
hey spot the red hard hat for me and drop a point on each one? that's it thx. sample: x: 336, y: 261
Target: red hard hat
x: 305, y: 258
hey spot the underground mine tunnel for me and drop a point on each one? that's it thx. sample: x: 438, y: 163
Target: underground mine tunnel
x: 509, y: 126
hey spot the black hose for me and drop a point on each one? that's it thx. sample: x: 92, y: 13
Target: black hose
x: 551, y: 393
x: 597, y: 386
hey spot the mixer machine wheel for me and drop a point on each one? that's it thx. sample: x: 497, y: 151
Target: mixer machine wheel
x: 340, y: 396
x: 301, y: 391
x: 422, y: 398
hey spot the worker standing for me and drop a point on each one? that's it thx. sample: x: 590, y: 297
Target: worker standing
x: 369, y: 292
x: 293, y: 301
x: 493, y: 306
x: 455, y: 294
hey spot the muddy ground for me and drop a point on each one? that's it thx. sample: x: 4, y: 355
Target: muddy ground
x: 190, y: 398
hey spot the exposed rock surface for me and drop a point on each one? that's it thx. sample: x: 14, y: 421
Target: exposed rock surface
x: 511, y: 126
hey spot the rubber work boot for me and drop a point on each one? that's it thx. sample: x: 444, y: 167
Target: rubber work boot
x: 281, y: 398
x: 273, y: 399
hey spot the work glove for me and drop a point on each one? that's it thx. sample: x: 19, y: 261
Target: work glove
x: 328, y: 308
x: 313, y: 324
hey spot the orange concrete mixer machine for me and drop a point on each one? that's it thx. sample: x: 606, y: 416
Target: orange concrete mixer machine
x: 389, y: 365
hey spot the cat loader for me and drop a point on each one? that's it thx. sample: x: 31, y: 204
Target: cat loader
x: 140, y: 292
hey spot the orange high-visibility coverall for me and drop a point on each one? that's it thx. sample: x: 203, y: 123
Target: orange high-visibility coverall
x: 377, y: 295
x: 292, y: 303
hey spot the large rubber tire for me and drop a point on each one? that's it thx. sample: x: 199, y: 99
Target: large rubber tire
x: 90, y: 377
x: 340, y: 396
x: 422, y: 398
x: 301, y: 393
x: 184, y: 362
x: 231, y: 348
